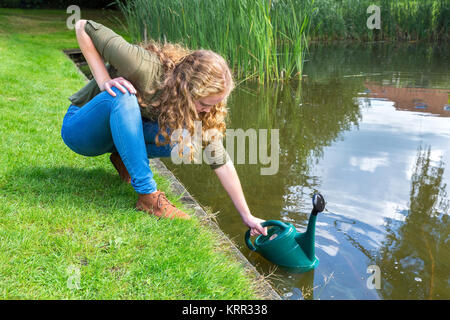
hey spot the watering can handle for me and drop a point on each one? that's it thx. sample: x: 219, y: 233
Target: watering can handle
x: 267, y: 223
x: 248, y: 241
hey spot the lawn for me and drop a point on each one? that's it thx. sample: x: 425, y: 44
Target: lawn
x: 68, y: 228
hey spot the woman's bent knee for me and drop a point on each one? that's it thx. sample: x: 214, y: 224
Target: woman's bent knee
x: 124, y: 99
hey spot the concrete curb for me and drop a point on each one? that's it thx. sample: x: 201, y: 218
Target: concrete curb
x: 189, y: 201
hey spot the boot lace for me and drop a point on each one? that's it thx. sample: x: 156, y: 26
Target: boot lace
x: 161, y: 201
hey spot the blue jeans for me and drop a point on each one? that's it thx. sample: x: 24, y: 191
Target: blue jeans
x: 109, y: 124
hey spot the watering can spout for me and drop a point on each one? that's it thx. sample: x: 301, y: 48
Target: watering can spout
x: 318, y: 203
x: 306, y: 240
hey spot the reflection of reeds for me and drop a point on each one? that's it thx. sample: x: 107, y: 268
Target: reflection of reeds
x: 400, y: 19
x: 424, y: 173
x: 263, y: 39
x: 425, y: 223
x: 430, y: 254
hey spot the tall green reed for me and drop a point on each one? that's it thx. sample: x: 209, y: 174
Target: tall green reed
x: 400, y: 20
x: 267, y: 39
x: 261, y: 39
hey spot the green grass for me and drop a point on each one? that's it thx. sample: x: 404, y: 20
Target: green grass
x: 61, y: 212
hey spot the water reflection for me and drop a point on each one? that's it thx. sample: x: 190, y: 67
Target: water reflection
x: 359, y: 149
x: 434, y: 101
x: 417, y: 65
x: 307, y: 121
x: 416, y: 251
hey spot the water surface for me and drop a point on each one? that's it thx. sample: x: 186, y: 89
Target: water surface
x: 369, y: 127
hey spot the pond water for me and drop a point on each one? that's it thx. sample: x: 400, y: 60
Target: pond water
x: 368, y: 127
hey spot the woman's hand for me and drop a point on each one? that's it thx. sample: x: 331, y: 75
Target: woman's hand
x: 230, y: 181
x: 255, y: 226
x: 120, y: 83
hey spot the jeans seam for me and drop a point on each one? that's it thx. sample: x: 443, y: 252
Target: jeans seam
x: 85, y: 114
x: 119, y: 136
x: 124, y: 158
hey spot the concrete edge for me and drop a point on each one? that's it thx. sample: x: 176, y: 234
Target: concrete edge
x: 188, y: 200
x: 67, y: 53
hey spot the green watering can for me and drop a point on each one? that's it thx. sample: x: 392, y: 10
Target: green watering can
x: 286, y: 247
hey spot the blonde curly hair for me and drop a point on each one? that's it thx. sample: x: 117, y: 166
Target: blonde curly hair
x: 188, y: 75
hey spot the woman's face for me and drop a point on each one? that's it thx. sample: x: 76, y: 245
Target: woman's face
x: 205, y: 104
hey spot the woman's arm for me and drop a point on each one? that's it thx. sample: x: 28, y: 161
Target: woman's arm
x: 96, y: 63
x: 230, y: 181
x: 92, y: 56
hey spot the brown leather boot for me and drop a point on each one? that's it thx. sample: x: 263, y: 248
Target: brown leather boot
x: 116, y: 160
x: 157, y: 204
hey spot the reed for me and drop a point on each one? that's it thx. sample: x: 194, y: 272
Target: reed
x: 408, y: 20
x: 261, y: 39
x: 267, y: 39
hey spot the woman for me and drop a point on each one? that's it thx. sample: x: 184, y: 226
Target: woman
x: 142, y: 95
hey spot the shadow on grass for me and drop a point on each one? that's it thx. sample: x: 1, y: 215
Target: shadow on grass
x: 68, y: 186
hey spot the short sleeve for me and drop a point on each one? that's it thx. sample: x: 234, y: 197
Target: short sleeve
x: 126, y: 58
x: 217, y: 155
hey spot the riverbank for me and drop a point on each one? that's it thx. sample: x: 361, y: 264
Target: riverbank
x: 68, y: 228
